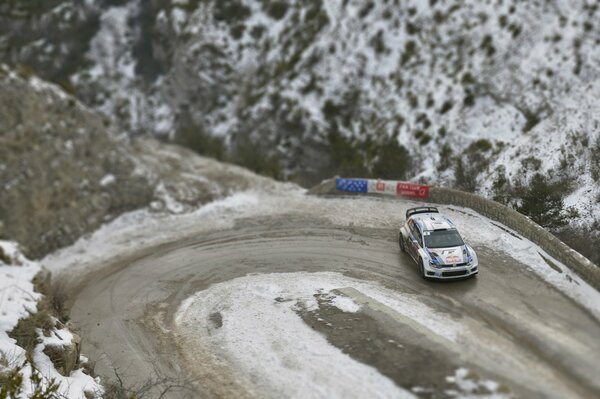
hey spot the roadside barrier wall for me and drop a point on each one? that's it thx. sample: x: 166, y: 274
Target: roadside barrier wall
x: 500, y: 213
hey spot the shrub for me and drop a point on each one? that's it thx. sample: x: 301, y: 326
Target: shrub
x: 366, y: 9
x: 11, y: 384
x: 25, y: 71
x: 477, y: 156
x: 67, y: 86
x: 237, y: 31
x: 393, y: 161
x: 515, y: 29
x: 251, y: 155
x: 501, y: 190
x: 465, y: 176
x: 482, y: 145
x: 503, y: 20
x: 413, y: 100
x: 194, y: 138
x: 445, y: 157
x: 446, y: 106
x: 542, y: 202
x: 430, y: 101
x: 344, y: 155
x: 257, y: 31
x: 330, y: 109
x: 230, y: 11
x: 378, y: 43
x: 25, y: 332
x: 487, y: 46
x: 410, y: 51
x: 422, y: 137
x: 469, y: 99
x: 277, y: 9
x: 467, y: 79
x: 532, y: 119
x: 531, y: 163
x: 411, y: 28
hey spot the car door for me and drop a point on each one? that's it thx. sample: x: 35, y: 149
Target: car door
x: 413, y: 241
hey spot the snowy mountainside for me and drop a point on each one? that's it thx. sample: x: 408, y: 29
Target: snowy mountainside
x: 479, y: 95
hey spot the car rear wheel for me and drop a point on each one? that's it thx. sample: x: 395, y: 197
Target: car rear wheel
x: 401, y: 243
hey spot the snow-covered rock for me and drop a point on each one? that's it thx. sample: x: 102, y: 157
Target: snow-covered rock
x: 55, y: 358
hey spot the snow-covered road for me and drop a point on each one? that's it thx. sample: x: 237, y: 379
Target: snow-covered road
x: 284, y: 295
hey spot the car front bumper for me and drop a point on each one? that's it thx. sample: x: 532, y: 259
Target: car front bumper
x: 449, y: 273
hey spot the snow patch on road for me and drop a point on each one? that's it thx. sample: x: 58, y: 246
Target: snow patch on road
x: 470, y: 386
x: 345, y: 304
x: 264, y: 338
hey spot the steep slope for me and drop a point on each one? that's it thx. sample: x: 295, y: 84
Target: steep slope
x: 64, y: 171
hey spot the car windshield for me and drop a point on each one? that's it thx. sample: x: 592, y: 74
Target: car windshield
x: 442, y: 239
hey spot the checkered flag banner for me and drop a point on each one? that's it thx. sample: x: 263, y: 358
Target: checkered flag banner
x: 352, y: 185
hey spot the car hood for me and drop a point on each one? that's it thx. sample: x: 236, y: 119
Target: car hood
x: 444, y: 256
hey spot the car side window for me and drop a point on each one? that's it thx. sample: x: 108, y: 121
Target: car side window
x: 414, y: 230
x: 419, y: 236
x: 411, y: 227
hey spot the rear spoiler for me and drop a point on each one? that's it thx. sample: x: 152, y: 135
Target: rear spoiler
x: 421, y: 209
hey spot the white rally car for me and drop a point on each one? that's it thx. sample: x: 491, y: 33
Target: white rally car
x: 433, y: 241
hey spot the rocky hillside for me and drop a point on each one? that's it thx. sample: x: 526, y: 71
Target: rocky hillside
x: 64, y: 171
x: 495, y: 97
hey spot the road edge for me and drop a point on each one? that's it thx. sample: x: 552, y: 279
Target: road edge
x: 582, y: 266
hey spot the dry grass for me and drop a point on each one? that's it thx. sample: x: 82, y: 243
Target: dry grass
x: 25, y: 333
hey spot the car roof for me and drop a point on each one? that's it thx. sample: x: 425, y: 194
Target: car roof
x: 433, y: 221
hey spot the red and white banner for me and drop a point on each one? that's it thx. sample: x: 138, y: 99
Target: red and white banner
x: 398, y: 188
x: 382, y: 187
x: 412, y: 190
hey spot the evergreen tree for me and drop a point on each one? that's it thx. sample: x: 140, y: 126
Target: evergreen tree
x: 543, y: 203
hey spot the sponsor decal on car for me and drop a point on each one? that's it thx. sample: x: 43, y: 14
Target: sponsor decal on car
x: 452, y: 259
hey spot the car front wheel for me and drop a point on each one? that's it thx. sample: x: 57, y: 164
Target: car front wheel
x: 421, y: 268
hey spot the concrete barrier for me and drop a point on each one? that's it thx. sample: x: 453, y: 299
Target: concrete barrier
x: 503, y: 214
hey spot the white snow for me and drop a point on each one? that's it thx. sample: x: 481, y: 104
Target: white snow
x: 107, y: 180
x: 345, y: 304
x: 57, y: 337
x: 267, y: 340
x: 18, y: 300
x: 469, y: 386
x: 170, y: 203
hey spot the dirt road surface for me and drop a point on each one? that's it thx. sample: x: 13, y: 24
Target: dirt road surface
x: 514, y: 329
